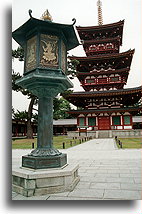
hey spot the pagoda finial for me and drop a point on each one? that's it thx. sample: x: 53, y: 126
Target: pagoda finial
x: 100, y: 17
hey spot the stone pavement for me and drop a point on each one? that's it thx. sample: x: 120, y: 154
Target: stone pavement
x: 106, y: 173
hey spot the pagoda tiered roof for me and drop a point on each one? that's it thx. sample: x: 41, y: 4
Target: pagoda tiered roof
x: 101, y: 39
x: 82, y: 75
x: 101, y: 27
x: 125, y: 91
x: 116, y: 30
x: 127, y: 96
x: 103, y: 56
x: 133, y: 110
x: 104, y: 65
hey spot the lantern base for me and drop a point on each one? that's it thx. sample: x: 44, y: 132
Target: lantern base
x: 32, y: 162
x: 30, y: 182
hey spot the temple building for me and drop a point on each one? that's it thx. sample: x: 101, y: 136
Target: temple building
x: 103, y: 73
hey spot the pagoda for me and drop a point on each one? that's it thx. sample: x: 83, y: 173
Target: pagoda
x: 104, y: 104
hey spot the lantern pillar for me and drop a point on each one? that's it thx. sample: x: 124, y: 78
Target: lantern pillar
x: 45, y: 121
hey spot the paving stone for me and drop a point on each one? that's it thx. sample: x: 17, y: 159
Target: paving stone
x: 81, y: 170
x: 140, y: 192
x: 108, y: 167
x: 128, y: 167
x: 96, y: 171
x: 122, y: 194
x: 87, y: 178
x: 23, y: 198
x: 99, y: 179
x: 105, y: 163
x: 107, y: 175
x: 105, y: 185
x: 61, y: 194
x: 135, y: 171
x: 118, y: 171
x: 71, y: 198
x: 138, y: 180
x: 120, y: 180
x: 89, y: 168
x: 102, y: 168
x: 130, y: 175
x: 131, y: 186
x: 83, y: 185
x: 87, y: 193
x: 87, y: 174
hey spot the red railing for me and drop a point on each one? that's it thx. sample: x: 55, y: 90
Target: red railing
x: 108, y: 80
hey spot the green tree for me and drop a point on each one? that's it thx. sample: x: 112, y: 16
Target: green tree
x: 33, y: 99
x: 18, y: 53
x: 23, y: 115
x: 71, y: 68
x: 20, y: 115
x: 139, y: 104
x: 61, y: 108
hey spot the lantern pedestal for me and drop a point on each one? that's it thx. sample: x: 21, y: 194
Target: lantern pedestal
x: 29, y: 182
x: 44, y: 162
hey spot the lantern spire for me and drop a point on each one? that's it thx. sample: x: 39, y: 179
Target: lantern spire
x: 46, y: 16
x: 100, y: 16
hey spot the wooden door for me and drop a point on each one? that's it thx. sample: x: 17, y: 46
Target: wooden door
x: 103, y: 123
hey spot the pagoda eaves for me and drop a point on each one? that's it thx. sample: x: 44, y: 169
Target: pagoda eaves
x: 106, y: 70
x: 121, y: 97
x: 105, y: 93
x: 109, y: 111
x: 99, y: 27
x: 101, y: 39
x: 104, y: 56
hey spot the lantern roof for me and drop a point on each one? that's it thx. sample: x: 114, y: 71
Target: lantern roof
x: 34, y: 25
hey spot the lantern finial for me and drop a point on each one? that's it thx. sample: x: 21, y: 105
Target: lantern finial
x: 46, y: 16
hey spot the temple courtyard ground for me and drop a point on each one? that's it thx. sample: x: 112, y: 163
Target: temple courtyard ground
x: 106, y: 172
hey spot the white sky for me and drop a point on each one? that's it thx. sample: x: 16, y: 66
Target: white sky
x: 85, y: 13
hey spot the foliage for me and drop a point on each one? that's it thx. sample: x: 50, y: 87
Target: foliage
x: 71, y: 68
x: 139, y: 104
x: 61, y: 107
x: 13, y: 112
x: 66, y: 93
x: 79, y: 108
x: 20, y: 115
x: 19, y: 53
x: 23, y: 115
x: 35, y: 117
x: 17, y: 88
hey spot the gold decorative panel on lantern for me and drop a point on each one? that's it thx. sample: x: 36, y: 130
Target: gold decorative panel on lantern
x: 48, y: 51
x: 31, y: 54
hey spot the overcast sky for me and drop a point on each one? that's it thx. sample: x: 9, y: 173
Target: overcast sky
x: 85, y: 13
